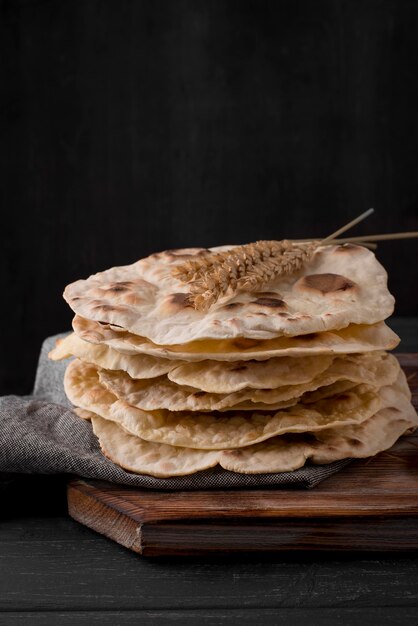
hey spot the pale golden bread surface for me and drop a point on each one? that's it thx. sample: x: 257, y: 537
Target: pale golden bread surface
x: 284, y: 454
x: 376, y: 370
x: 354, y: 338
x: 213, y: 376
x: 144, y: 457
x: 340, y: 285
x: 280, y: 454
x: 229, y: 376
x: 136, y: 365
x: 225, y: 430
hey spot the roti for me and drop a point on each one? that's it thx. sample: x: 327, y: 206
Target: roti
x: 215, y: 431
x: 353, y: 339
x: 280, y: 454
x: 339, y: 286
x: 161, y: 393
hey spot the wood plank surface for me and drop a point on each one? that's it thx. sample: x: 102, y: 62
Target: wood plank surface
x: 59, y: 565
x: 393, y: 616
x: 370, y: 505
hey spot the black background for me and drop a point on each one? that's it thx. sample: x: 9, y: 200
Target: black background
x: 134, y: 126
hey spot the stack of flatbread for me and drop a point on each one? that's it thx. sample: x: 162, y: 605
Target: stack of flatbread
x: 292, y: 370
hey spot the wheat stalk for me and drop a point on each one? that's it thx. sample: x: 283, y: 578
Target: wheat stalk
x: 289, y: 261
x: 386, y: 237
x: 238, y: 260
x: 251, y: 266
x: 244, y: 268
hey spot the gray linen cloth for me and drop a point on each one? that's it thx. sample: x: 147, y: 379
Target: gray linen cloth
x: 41, y: 434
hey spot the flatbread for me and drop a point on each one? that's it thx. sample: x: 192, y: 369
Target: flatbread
x: 83, y: 413
x: 161, y: 393
x: 222, y: 377
x: 354, y: 338
x: 215, y: 376
x: 136, y: 365
x: 216, y: 431
x: 340, y: 285
x: 285, y: 454
x: 154, y: 459
x: 280, y: 454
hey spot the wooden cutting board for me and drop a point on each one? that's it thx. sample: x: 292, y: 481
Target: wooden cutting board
x: 371, y: 505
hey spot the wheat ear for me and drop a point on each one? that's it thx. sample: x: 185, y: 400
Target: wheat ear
x: 237, y: 260
x: 245, y: 268
x: 248, y: 267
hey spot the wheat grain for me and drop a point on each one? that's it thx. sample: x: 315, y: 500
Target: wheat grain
x: 244, y: 268
x: 244, y: 256
x: 290, y: 261
x: 250, y: 267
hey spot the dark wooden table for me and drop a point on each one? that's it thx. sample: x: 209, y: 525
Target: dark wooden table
x: 55, y: 571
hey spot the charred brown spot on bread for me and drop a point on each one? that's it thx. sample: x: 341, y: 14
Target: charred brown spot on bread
x: 198, y: 394
x: 326, y: 283
x: 234, y: 454
x: 117, y: 288
x: 232, y: 305
x: 273, y: 303
x: 181, y: 300
x: 354, y: 442
x: 266, y: 294
x: 238, y: 368
x: 244, y: 344
x: 126, y: 285
x: 283, y: 314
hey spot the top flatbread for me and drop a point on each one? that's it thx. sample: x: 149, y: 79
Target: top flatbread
x: 341, y: 285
